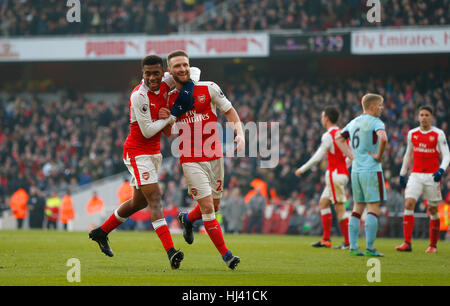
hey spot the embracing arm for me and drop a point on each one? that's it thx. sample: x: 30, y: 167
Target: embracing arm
x: 148, y: 127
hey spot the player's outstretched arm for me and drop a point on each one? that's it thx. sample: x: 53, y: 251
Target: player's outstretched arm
x: 325, y: 144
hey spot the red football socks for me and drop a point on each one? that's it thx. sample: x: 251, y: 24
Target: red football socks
x: 111, y: 224
x: 408, y: 227
x: 343, y: 224
x: 214, y: 231
x: 165, y: 237
x: 195, y: 214
x: 434, y: 232
x: 327, y: 220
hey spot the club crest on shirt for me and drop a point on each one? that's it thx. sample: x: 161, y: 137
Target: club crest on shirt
x: 432, y: 138
x: 201, y: 98
x: 145, y: 175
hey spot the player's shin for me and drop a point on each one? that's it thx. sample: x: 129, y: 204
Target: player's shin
x: 408, y: 225
x: 162, y: 230
x: 371, y: 229
x: 343, y: 224
x: 214, y: 231
x: 112, y: 222
x: 327, y: 220
x: 353, y: 230
x: 195, y: 214
x: 434, y: 229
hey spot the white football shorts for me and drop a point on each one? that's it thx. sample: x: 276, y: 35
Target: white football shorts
x: 423, y: 184
x: 335, y: 187
x: 144, y: 169
x: 205, y: 178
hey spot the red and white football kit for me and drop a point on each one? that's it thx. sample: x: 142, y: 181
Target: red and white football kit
x: 200, y: 147
x: 337, y: 175
x: 426, y: 147
x: 336, y: 178
x: 141, y: 153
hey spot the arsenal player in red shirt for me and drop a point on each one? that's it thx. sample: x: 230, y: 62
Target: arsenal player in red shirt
x: 200, y: 151
x: 336, y: 178
x: 142, y: 154
x: 425, y: 143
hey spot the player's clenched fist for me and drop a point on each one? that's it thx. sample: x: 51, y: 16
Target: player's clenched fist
x: 184, y: 101
x: 164, y: 113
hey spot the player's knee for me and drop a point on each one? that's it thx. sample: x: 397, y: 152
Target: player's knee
x: 138, y: 205
x: 410, y: 204
x: 432, y: 210
x: 216, y: 206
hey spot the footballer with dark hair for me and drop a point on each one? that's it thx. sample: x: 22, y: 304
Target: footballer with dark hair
x: 425, y: 144
x: 336, y: 178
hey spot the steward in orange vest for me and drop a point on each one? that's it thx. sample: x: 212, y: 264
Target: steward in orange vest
x: 18, y: 204
x: 95, y: 204
x: 67, y: 212
x: 125, y: 192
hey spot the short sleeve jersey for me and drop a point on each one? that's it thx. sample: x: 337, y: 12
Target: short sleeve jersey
x: 362, y: 132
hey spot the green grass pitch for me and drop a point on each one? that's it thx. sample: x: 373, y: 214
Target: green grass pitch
x: 39, y: 258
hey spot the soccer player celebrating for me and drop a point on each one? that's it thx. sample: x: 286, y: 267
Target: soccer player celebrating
x: 201, y: 153
x: 142, y: 154
x: 336, y: 178
x: 426, y: 143
x: 368, y: 140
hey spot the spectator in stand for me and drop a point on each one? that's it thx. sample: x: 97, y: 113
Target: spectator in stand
x: 36, y: 208
x: 29, y: 18
x: 52, y: 207
x: 67, y: 212
x: 395, y: 207
x: 125, y: 191
x: 95, y: 204
x: 256, y: 208
x: 233, y: 211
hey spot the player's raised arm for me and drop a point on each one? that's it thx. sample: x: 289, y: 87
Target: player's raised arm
x: 325, y: 145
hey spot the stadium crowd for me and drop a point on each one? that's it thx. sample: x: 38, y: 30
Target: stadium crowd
x: 158, y: 17
x: 72, y: 140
